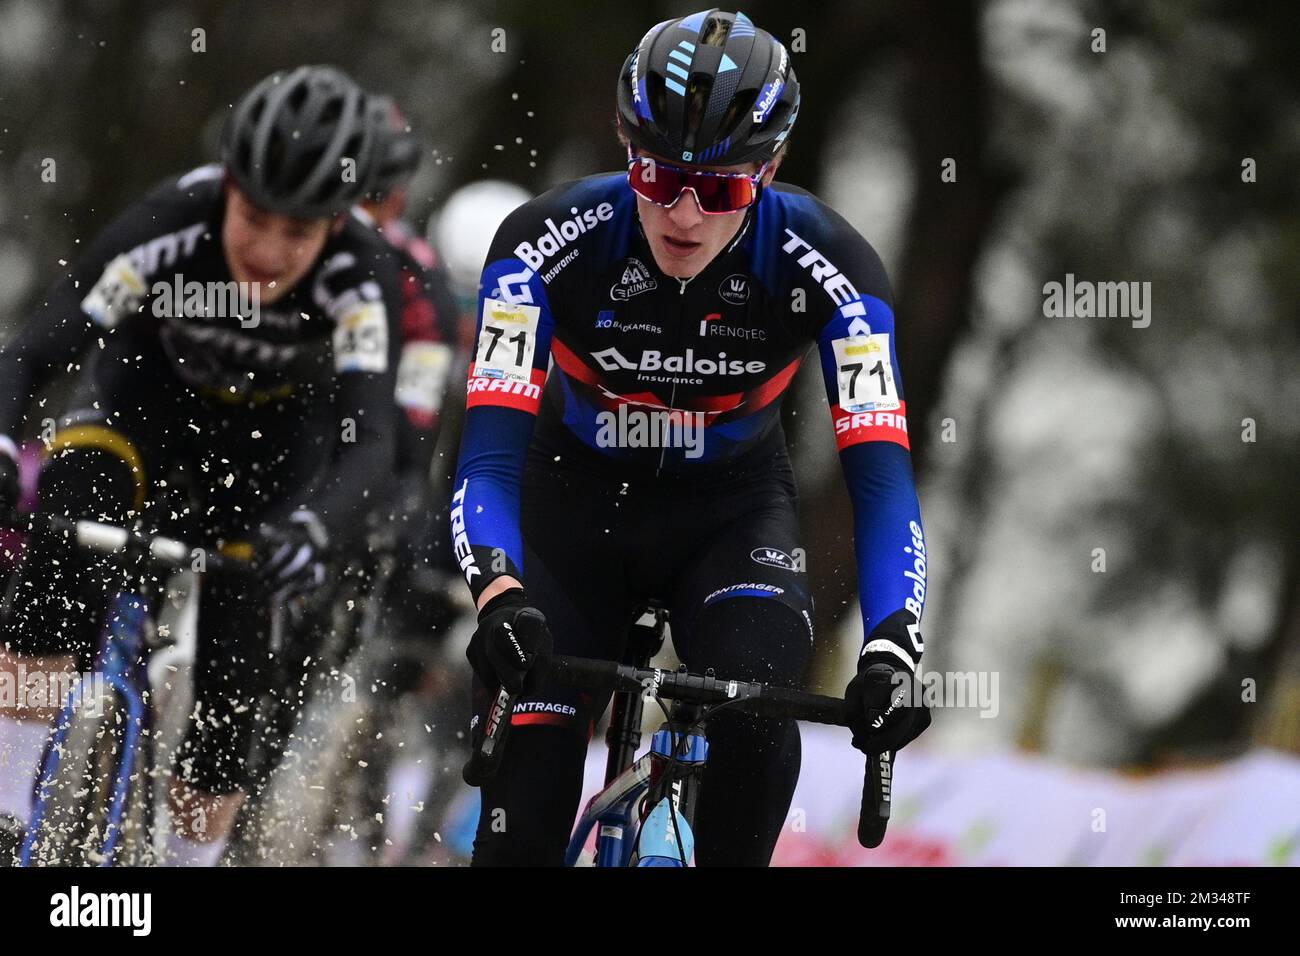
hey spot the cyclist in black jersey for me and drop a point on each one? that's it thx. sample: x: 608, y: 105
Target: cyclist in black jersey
x: 428, y: 326
x: 393, y: 580
x: 237, y: 325
x: 623, y: 442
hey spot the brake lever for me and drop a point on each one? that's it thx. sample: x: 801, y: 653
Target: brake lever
x: 485, y: 759
x: 873, y: 818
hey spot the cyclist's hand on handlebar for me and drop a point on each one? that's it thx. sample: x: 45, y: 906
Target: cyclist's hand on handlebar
x: 512, y: 646
x: 290, y: 555
x: 887, y: 712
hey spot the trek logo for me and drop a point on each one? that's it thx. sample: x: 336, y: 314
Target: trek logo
x: 836, y: 283
x: 916, y: 574
x: 76, y: 909
x: 459, y: 537
x: 535, y: 253
x: 773, y: 558
x: 612, y: 360
x: 734, y: 289
x: 636, y: 279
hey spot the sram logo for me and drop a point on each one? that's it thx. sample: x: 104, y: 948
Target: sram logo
x: 497, y: 713
x: 849, y: 423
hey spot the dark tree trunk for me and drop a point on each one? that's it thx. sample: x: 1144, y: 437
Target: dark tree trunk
x: 947, y: 115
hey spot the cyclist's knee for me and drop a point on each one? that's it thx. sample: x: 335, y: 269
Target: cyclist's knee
x: 749, y: 638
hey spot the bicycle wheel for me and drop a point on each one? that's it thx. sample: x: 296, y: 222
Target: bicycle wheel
x: 88, y: 810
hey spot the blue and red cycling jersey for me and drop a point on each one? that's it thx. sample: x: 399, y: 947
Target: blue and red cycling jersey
x: 580, y: 337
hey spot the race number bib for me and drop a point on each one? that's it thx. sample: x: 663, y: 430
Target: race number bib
x: 361, y: 339
x: 866, y: 376
x: 507, y: 341
x: 422, y: 376
x: 117, y: 293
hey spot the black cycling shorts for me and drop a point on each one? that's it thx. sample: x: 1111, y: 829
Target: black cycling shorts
x: 724, y: 558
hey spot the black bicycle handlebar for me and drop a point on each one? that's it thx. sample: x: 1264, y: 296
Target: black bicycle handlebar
x: 762, y: 700
x: 759, y: 699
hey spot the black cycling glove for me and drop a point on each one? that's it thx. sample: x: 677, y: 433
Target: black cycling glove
x: 291, y: 555
x: 512, y: 646
x: 887, y: 708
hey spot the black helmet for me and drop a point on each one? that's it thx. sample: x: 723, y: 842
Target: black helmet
x: 708, y: 88
x: 398, y: 150
x: 285, y: 143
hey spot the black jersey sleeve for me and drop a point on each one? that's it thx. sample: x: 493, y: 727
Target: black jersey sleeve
x: 361, y: 293
x: 105, y: 284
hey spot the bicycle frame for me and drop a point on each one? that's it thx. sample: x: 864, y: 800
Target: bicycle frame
x: 670, y: 772
x: 125, y: 652
x: 615, y: 808
x: 629, y: 779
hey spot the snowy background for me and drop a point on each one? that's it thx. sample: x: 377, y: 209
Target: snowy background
x: 1046, y: 448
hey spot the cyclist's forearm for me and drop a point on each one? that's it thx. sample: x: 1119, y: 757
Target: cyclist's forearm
x: 361, y: 475
x: 503, y: 583
x: 889, y: 544
x: 486, y: 538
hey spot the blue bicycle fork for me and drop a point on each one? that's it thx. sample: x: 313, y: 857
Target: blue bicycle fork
x: 123, y: 666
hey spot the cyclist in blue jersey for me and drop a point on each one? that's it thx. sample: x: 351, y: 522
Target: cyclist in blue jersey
x: 623, y: 442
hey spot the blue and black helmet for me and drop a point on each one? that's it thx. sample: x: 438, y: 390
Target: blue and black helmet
x: 710, y: 88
